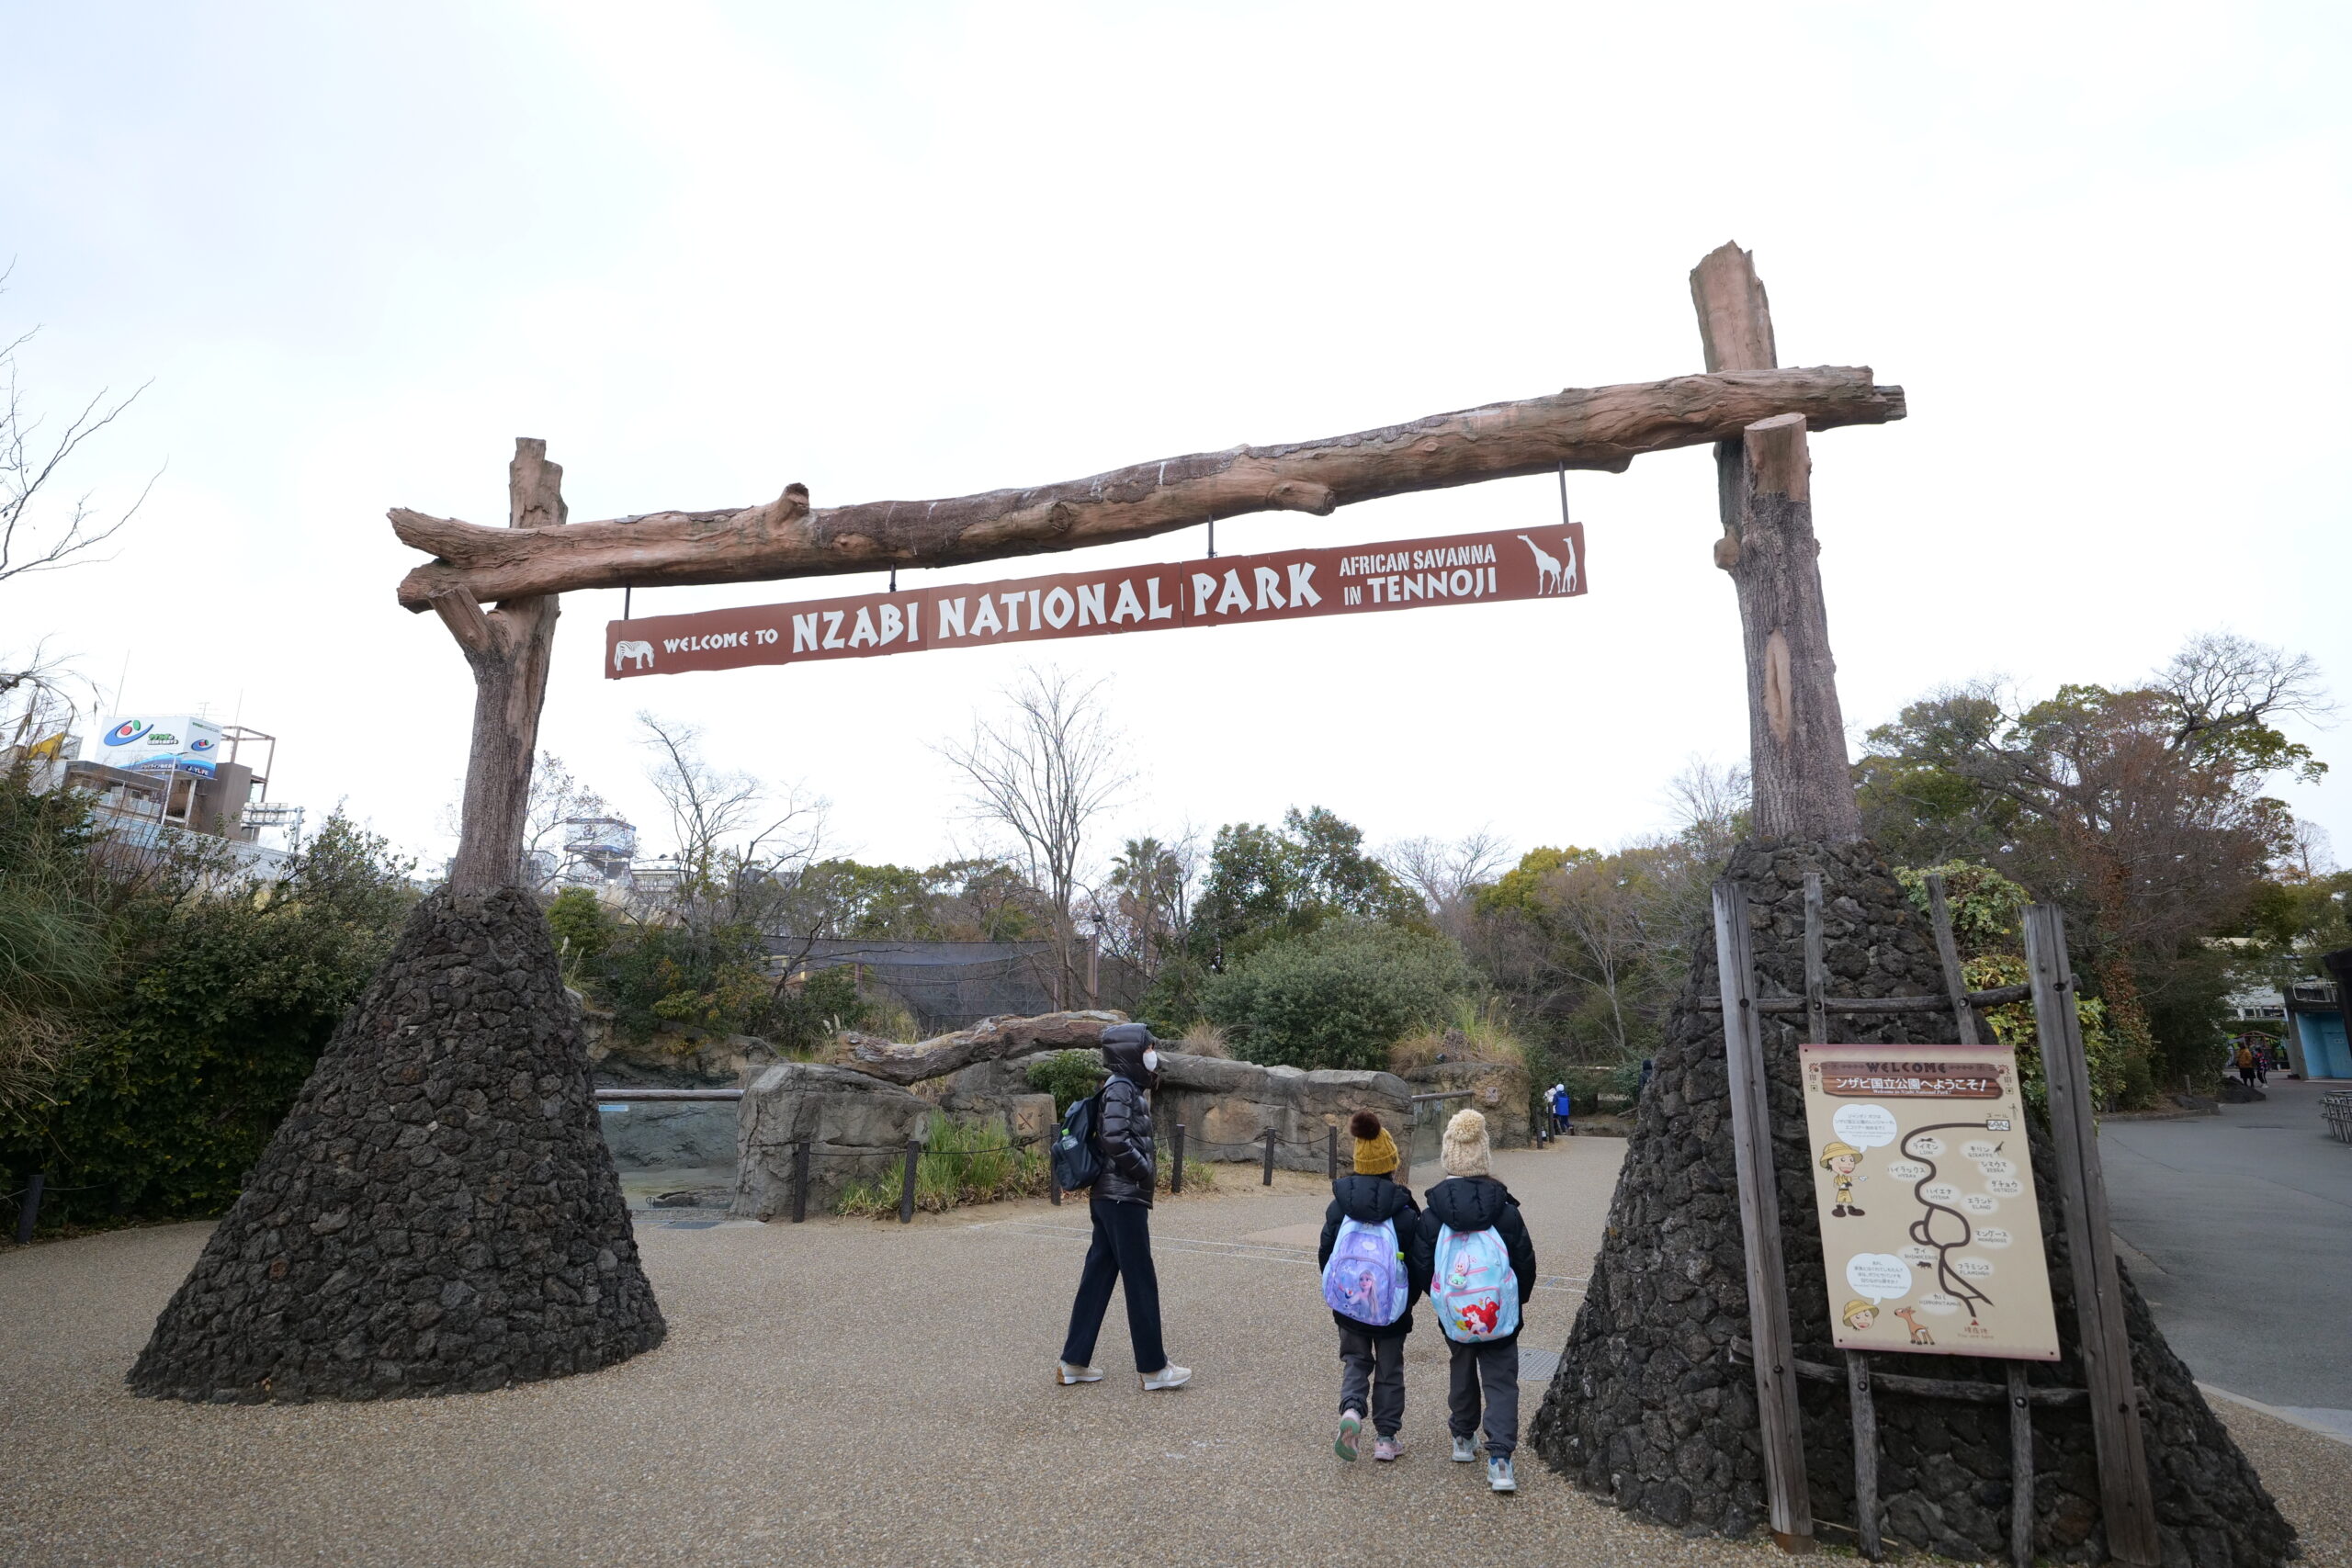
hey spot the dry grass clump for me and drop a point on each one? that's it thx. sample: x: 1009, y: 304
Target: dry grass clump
x: 1476, y: 1035
x: 1206, y: 1039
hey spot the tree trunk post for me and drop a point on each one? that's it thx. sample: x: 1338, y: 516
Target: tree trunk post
x: 509, y: 649
x: 1804, y: 788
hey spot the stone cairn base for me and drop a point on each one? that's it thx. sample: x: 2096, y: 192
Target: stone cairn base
x: 1649, y: 1410
x: 438, y: 1212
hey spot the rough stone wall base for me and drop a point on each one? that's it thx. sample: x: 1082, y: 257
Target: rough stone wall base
x: 438, y: 1212
x: 1649, y: 1412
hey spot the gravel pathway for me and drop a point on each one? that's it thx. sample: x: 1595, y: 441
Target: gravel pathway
x: 852, y: 1392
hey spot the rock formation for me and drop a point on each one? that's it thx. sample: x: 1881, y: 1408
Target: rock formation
x: 438, y: 1211
x: 1227, y: 1107
x: 1649, y: 1411
x: 856, y: 1128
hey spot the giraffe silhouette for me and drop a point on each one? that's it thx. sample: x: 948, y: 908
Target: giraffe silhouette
x: 1550, y: 576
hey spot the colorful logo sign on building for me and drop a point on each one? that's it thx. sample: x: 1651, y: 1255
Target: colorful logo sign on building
x: 178, y: 743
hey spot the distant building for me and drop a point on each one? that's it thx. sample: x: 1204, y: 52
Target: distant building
x: 148, y: 779
x: 2316, y: 1047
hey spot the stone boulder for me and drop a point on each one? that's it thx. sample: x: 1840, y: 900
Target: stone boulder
x: 996, y: 1091
x: 1499, y: 1091
x: 857, y: 1127
x: 1228, y: 1107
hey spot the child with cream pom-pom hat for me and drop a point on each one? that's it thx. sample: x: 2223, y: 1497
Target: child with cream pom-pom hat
x: 1471, y: 1218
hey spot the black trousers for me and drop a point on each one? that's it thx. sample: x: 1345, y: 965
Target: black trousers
x: 1120, y: 1254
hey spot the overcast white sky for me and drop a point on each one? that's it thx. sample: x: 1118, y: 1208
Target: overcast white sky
x: 913, y: 251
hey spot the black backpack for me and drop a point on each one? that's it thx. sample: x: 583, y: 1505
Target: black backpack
x: 1076, y: 1162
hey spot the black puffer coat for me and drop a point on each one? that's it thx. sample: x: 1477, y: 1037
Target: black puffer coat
x: 1369, y: 1199
x: 1473, y: 1203
x: 1122, y: 1131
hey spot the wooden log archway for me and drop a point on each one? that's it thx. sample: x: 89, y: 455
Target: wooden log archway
x: 1755, y: 413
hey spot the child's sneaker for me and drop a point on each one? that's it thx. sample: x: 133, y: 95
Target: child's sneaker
x: 1465, y: 1450
x: 1387, y: 1450
x: 1350, y: 1429
x: 1499, y: 1476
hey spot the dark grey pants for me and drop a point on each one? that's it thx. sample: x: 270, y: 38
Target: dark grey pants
x: 1378, y: 1366
x: 1492, y: 1370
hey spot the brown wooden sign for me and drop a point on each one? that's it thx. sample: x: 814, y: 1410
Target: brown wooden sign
x: 1403, y: 574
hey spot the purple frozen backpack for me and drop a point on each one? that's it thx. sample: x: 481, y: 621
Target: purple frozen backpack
x: 1365, y: 1278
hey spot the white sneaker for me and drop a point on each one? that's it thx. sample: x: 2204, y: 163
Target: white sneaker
x: 1066, y: 1374
x: 1465, y: 1450
x: 1350, y: 1429
x: 1499, y: 1476
x: 1169, y: 1376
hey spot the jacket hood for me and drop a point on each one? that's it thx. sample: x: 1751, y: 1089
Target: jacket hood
x: 1468, y: 1202
x: 1122, y: 1048
x: 1368, y: 1199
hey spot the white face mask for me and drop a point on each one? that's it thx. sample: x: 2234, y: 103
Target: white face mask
x: 1150, y: 1060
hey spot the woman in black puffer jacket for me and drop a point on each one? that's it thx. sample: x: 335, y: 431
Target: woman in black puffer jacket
x: 1121, y: 1206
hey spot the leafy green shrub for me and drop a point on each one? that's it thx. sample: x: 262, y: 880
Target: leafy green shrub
x: 962, y: 1162
x: 216, y: 1008
x: 1068, y: 1076
x: 2013, y: 1026
x: 1338, y: 997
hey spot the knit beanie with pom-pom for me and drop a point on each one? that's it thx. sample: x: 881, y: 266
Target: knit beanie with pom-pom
x: 1375, y: 1150
x: 1464, y: 1153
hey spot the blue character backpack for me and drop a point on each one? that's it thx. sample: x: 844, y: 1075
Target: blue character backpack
x: 1476, y: 1291
x: 1365, y: 1278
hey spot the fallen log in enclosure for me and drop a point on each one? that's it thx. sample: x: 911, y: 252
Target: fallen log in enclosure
x: 1601, y: 427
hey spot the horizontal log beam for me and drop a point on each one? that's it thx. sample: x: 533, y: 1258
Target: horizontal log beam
x: 1600, y: 427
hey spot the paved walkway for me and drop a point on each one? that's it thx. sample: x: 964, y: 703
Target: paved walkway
x: 2243, y: 1224
x: 852, y: 1391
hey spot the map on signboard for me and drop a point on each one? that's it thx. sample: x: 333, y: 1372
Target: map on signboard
x: 1929, y: 1227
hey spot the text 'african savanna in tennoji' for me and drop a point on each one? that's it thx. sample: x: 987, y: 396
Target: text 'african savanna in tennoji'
x: 1399, y: 575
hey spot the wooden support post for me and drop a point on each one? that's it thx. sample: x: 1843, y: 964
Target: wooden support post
x: 1268, y: 1179
x: 1817, y: 970
x: 1796, y: 729
x: 1865, y: 1408
x: 1176, y: 1175
x: 1332, y: 1155
x: 1963, y: 1012
x: 906, y: 1187
x: 1094, y: 969
x: 2126, y: 1504
x: 1789, y: 1498
x: 2021, y: 1468
x: 800, y: 1181
x: 508, y: 648
x: 28, y: 1208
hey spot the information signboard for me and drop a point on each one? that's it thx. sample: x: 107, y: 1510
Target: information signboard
x: 1403, y: 574
x: 1929, y: 1227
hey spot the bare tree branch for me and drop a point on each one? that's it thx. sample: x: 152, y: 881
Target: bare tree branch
x: 1044, y: 777
x: 30, y: 467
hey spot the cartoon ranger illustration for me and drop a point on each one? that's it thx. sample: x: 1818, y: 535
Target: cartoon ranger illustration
x: 1858, y: 1314
x: 1839, y: 1159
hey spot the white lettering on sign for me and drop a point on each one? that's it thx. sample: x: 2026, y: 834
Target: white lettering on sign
x: 1282, y: 585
